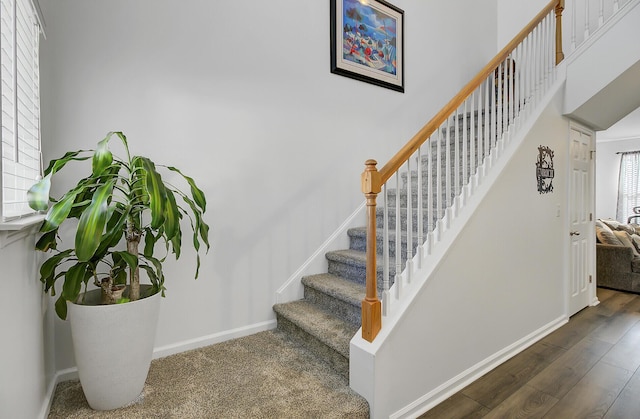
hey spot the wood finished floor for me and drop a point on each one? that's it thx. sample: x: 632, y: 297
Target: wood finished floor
x: 589, y: 368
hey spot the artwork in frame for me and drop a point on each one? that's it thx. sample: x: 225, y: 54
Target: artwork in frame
x: 367, y: 42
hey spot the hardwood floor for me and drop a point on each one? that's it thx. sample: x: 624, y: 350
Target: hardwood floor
x: 589, y: 368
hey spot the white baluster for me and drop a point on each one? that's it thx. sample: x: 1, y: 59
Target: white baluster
x: 573, y: 25
x: 473, y: 143
x: 447, y: 174
x: 430, y: 211
x: 456, y: 163
x: 465, y: 147
x: 487, y: 122
x: 586, y: 20
x: 439, y: 179
x: 409, y: 223
x: 398, y: 242
x: 601, y: 15
x: 419, y: 212
x: 386, y: 300
x: 616, y: 7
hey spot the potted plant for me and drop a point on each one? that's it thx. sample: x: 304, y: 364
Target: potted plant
x: 123, y: 203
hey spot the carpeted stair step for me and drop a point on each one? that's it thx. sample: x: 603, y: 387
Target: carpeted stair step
x: 403, y: 218
x: 322, y: 333
x: 351, y: 265
x: 392, y: 195
x: 358, y: 241
x: 335, y: 295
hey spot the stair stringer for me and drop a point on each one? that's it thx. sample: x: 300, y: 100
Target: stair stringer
x: 367, y: 374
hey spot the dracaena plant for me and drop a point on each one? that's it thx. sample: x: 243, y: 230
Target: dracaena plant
x: 122, y: 204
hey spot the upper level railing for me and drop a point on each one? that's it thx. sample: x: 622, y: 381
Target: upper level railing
x: 451, y: 153
x: 587, y: 16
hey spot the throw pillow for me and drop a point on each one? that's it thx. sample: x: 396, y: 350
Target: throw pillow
x: 625, y: 239
x: 605, y: 235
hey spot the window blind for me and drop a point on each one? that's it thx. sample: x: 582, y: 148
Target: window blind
x: 20, y: 116
x: 628, y: 185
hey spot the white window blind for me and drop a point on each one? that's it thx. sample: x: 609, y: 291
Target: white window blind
x: 20, y: 116
x: 628, y: 185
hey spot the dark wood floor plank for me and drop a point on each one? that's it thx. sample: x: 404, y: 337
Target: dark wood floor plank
x: 615, y: 303
x: 563, y: 374
x: 587, y: 368
x: 626, y: 353
x: 527, y: 402
x: 496, y: 386
x: 593, y: 395
x: 581, y: 325
x: 616, y: 326
x: 627, y: 405
x: 457, y: 406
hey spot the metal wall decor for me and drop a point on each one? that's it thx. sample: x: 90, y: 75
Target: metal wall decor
x: 544, y: 170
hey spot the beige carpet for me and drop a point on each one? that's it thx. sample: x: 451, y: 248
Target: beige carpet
x: 259, y: 376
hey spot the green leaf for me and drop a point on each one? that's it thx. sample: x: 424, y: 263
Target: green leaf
x: 102, y: 157
x: 92, y: 223
x: 130, y: 260
x: 61, y: 307
x: 156, y: 191
x: 58, y: 212
x: 48, y: 268
x: 73, y: 280
x: 198, y: 195
x: 176, y: 243
x: 57, y: 164
x: 47, y: 241
x: 38, y: 194
x: 171, y: 216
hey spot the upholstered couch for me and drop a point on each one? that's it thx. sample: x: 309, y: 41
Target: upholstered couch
x: 618, y: 255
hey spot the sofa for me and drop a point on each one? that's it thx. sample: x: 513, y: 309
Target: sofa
x: 618, y: 255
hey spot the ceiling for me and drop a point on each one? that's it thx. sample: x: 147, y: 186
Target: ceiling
x: 626, y: 128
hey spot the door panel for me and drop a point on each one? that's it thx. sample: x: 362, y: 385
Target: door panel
x: 581, y: 227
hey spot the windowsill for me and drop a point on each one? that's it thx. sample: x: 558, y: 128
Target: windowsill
x: 22, y: 223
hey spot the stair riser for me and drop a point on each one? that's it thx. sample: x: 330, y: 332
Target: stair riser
x: 360, y: 243
x: 342, y: 309
x: 335, y: 359
x: 403, y: 220
x: 358, y: 274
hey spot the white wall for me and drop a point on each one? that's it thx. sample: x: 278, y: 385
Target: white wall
x: 607, y: 171
x: 513, y: 16
x: 26, y: 353
x: 242, y: 99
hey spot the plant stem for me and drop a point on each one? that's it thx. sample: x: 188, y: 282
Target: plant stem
x: 133, y: 240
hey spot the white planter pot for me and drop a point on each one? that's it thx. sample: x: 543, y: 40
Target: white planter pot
x: 113, y: 345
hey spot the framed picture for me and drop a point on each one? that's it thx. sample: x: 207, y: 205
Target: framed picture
x: 367, y: 42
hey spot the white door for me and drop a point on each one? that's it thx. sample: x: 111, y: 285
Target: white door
x: 581, y: 224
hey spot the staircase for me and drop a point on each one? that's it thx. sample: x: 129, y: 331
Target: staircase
x: 330, y: 313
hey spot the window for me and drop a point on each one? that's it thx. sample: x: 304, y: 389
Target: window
x: 20, y: 106
x: 628, y: 186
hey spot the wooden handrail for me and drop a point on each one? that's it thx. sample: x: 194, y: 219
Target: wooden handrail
x: 373, y: 179
x: 398, y: 160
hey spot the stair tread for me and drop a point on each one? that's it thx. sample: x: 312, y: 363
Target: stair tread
x: 329, y: 329
x: 336, y: 287
x: 350, y: 256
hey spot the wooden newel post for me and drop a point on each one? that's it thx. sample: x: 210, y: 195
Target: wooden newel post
x: 559, y: 53
x: 371, y: 306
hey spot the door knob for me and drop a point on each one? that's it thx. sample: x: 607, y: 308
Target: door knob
x: 574, y: 233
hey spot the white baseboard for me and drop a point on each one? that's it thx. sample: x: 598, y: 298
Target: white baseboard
x: 203, y: 341
x: 449, y: 388
x: 161, y: 352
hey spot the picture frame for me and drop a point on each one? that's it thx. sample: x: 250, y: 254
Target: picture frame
x: 367, y: 42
